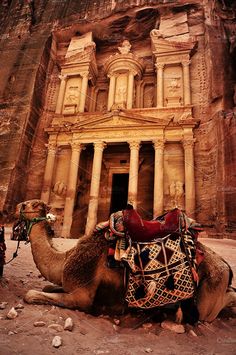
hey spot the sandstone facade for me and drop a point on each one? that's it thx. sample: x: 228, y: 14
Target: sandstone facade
x: 108, y: 101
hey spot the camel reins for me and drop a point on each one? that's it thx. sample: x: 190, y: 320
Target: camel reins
x: 29, y: 224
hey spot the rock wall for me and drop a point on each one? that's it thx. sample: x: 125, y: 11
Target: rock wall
x: 29, y: 84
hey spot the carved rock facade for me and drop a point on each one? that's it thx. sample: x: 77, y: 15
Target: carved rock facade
x: 124, y: 101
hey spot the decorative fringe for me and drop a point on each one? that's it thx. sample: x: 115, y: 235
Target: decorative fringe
x: 170, y: 283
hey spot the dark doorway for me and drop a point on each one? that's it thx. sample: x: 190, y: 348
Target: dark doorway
x: 119, y: 193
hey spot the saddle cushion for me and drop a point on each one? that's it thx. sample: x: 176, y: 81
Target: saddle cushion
x: 140, y: 230
x: 153, y: 265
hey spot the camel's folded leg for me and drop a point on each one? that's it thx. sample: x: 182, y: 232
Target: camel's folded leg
x: 53, y: 288
x: 81, y: 298
x: 212, y: 300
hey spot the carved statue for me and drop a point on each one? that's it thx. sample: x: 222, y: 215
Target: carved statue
x: 121, y: 94
x: 176, y: 191
x: 125, y: 47
x: 59, y: 188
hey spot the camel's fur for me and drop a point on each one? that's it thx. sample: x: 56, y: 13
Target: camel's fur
x: 84, y: 276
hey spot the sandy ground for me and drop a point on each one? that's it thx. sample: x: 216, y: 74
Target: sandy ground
x: 130, y: 334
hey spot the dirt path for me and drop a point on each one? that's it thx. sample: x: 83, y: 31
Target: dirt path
x: 132, y: 334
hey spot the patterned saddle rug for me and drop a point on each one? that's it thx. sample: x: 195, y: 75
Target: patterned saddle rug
x: 161, y: 271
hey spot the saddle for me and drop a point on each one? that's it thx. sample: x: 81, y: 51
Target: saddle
x: 140, y: 230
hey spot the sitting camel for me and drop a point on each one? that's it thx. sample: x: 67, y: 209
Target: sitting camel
x: 83, y: 274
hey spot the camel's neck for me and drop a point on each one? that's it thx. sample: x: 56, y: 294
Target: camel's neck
x: 49, y: 261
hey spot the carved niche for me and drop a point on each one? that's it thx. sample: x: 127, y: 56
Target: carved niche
x: 122, y: 68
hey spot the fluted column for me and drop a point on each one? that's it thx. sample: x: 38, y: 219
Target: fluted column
x: 94, y: 189
x: 158, y: 196
x: 61, y: 94
x: 133, y: 173
x: 186, y: 77
x: 188, y: 145
x: 160, y: 84
x: 48, y: 174
x: 130, y: 90
x: 83, y: 93
x: 111, y: 93
x: 71, y: 189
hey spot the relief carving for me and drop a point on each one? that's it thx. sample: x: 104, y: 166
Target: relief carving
x: 176, y: 192
x: 60, y: 188
x: 72, y: 95
x: 125, y: 47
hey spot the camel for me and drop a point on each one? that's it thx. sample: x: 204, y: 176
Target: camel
x: 86, y: 281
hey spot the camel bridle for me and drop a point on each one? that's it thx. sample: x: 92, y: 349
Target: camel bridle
x: 28, y: 224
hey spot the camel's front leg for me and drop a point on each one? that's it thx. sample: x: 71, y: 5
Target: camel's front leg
x: 81, y: 298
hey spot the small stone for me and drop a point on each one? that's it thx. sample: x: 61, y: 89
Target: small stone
x: 19, y: 306
x: 57, y: 341
x: 68, y: 324
x: 39, y: 323
x: 177, y: 328
x: 192, y: 332
x: 1, y: 317
x: 148, y: 350
x: 11, y: 333
x: 116, y: 321
x: 12, y: 313
x: 115, y: 327
x: 3, y: 305
x: 147, y: 325
x: 83, y: 331
x: 57, y: 327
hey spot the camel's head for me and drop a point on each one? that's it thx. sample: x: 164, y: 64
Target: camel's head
x: 31, y: 209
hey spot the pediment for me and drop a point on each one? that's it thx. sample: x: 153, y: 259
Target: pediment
x: 119, y: 121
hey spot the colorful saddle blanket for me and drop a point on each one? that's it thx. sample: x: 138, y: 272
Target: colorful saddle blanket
x: 161, y: 272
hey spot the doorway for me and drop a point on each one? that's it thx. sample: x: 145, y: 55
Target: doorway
x: 119, y: 193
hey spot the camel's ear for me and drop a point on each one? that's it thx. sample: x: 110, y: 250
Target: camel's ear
x: 40, y: 205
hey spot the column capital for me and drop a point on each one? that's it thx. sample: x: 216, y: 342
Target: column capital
x: 134, y: 145
x: 132, y: 72
x: 158, y: 143
x: 62, y: 76
x: 76, y: 146
x: 52, y: 147
x: 188, y: 142
x: 84, y: 74
x: 160, y: 66
x: 99, y: 145
x: 186, y: 63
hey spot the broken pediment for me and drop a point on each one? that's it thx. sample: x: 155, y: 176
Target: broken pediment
x: 161, y: 46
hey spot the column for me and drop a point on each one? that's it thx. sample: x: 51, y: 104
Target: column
x: 130, y: 90
x: 160, y: 84
x: 61, y: 94
x: 71, y: 189
x: 92, y: 100
x: 94, y: 189
x: 186, y: 77
x: 83, y: 93
x: 158, y: 195
x: 48, y: 174
x: 188, y: 145
x: 138, y: 94
x: 133, y: 173
x: 111, y: 93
